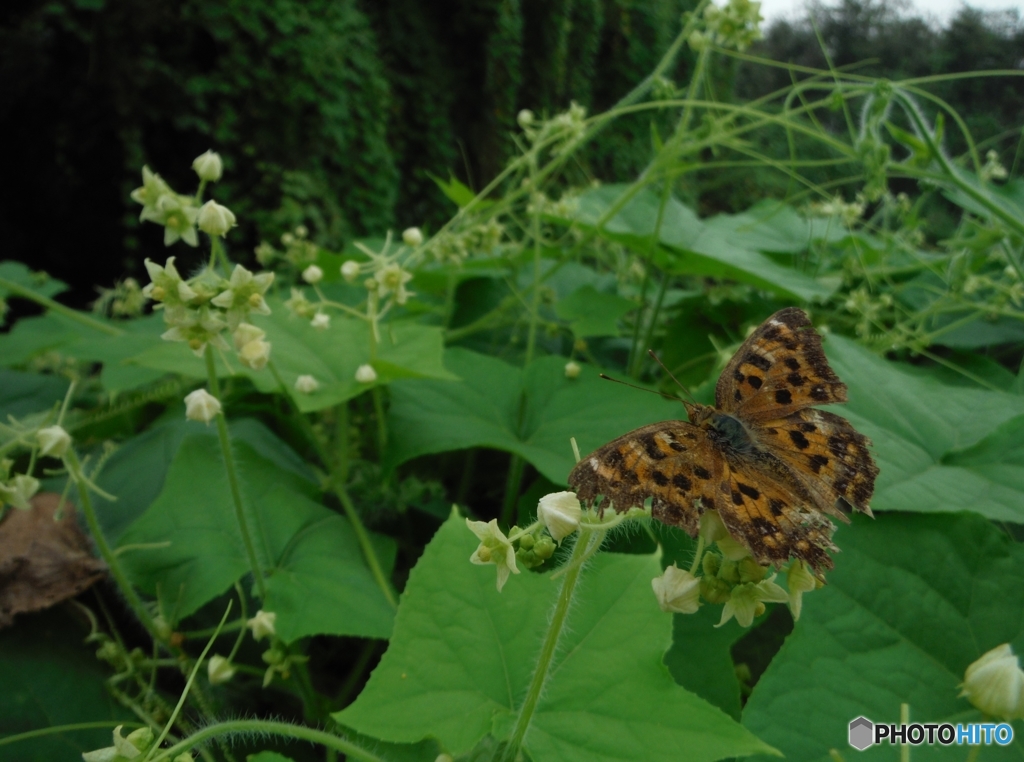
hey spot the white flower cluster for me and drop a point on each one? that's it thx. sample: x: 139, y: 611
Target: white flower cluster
x: 180, y: 214
x: 848, y: 213
x: 200, y: 309
x: 737, y: 25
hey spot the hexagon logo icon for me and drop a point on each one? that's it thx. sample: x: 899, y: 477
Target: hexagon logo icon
x: 862, y: 732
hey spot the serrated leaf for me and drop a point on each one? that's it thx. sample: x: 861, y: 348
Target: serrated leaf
x: 485, y: 410
x: 686, y: 245
x: 39, y: 282
x: 913, y: 600
x: 929, y: 438
x: 593, y: 313
x: 462, y: 657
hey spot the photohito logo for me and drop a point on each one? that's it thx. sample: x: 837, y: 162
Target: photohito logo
x: 865, y: 733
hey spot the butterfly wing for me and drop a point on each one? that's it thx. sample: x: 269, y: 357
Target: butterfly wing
x: 828, y: 456
x: 779, y: 369
x: 673, y: 463
x: 771, y: 518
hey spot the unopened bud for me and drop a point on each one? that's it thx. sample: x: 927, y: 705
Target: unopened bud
x: 208, y: 166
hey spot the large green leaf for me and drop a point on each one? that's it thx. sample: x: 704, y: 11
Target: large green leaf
x: 913, y: 600
x: 25, y: 393
x: 723, y: 249
x: 592, y: 312
x: 532, y: 413
x: 331, y: 356
x: 462, y: 656
x: 940, y: 448
x: 318, y: 581
x: 50, y: 677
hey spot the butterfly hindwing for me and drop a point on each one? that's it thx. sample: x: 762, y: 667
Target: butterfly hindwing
x: 779, y: 369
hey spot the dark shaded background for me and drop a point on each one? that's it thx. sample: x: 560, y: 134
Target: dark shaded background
x: 334, y: 113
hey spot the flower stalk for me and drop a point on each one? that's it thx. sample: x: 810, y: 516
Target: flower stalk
x: 232, y: 472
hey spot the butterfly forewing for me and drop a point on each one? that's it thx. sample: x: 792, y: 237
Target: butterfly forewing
x: 779, y: 369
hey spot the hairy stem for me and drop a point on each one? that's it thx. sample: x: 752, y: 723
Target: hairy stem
x: 586, y: 543
x: 50, y: 304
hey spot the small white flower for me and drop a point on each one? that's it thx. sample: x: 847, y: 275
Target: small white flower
x: 19, y: 491
x: 350, y: 270
x: 306, y: 384
x: 208, y: 166
x: 392, y: 279
x: 246, y: 333
x: 995, y: 684
x: 525, y: 118
x: 560, y: 512
x: 219, y: 669
x: 321, y: 321
x: 128, y: 748
x: 799, y: 580
x: 572, y: 369
x: 244, y: 293
x: 494, y: 548
x: 215, y: 219
x: 255, y: 354
x: 313, y: 275
x: 200, y: 405
x: 262, y: 624
x: 365, y: 374
x: 53, y: 440
x: 747, y: 601
x: 412, y: 237
x: 677, y: 591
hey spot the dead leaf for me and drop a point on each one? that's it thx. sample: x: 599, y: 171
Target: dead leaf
x: 42, y: 561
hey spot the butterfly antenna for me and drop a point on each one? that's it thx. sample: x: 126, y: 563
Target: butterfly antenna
x: 634, y: 386
x: 671, y: 375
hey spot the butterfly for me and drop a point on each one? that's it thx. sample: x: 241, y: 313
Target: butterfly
x: 772, y: 466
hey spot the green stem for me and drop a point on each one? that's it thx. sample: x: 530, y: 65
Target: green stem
x: 382, y: 424
x: 337, y: 484
x: 41, y: 732
x: 283, y: 729
x: 134, y: 602
x: 50, y: 304
x: 584, y: 542
x: 512, y: 484
x: 229, y: 467
x: 649, y: 333
x: 364, y: 542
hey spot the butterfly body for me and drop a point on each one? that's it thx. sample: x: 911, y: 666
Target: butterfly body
x: 771, y: 465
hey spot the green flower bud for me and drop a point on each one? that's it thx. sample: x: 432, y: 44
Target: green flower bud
x: 208, y: 166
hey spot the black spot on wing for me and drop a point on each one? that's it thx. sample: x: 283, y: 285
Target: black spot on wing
x: 783, y: 397
x: 755, y: 381
x: 795, y: 379
x: 752, y: 358
x: 682, y: 482
x: 751, y: 492
x: 799, y: 440
x: 807, y: 427
x: 650, y: 446
x: 792, y: 363
x: 771, y: 334
x: 819, y: 393
x: 775, y: 506
x: 701, y: 473
x: 737, y: 498
x: 659, y: 478
x: 676, y: 446
x: 818, y: 462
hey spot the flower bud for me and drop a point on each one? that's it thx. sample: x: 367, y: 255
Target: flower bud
x: 711, y: 527
x: 262, y: 624
x: 525, y: 118
x: 350, y: 270
x: 53, y: 440
x: 995, y: 684
x: 677, y: 591
x: 246, y: 333
x: 572, y: 370
x: 312, y: 275
x: 321, y: 321
x: 219, y: 669
x: 255, y: 354
x: 200, y: 405
x: 208, y: 166
x: 799, y: 580
x: 412, y: 237
x: 365, y: 374
x: 306, y: 384
x: 215, y: 219
x: 732, y: 549
x: 560, y: 512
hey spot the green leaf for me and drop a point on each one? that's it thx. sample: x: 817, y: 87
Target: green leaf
x: 454, y: 190
x: 50, y: 677
x: 593, y: 313
x: 318, y: 581
x: 700, y: 659
x: 913, y: 600
x: 268, y: 756
x: 462, y: 657
x: 531, y: 413
x: 406, y: 350
x: 774, y: 226
x: 40, y: 282
x: 940, y: 448
x: 693, y: 247
x: 25, y: 393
